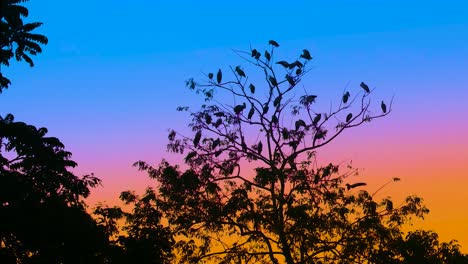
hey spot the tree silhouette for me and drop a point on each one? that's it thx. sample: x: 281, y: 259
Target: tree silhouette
x: 142, y: 238
x: 41, y: 201
x: 424, y: 247
x: 43, y: 216
x: 288, y: 209
x: 16, y: 37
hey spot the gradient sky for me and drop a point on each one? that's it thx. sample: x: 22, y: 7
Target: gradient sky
x: 113, y: 73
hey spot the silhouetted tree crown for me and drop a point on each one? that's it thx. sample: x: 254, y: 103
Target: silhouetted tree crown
x: 288, y: 209
x: 17, y: 39
x: 41, y: 201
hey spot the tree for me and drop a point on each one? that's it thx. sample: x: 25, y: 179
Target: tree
x: 289, y: 209
x: 142, y: 238
x: 16, y: 37
x: 43, y: 217
x: 424, y: 247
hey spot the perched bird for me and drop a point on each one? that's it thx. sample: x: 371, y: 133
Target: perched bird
x: 251, y: 113
x: 346, y: 97
x: 365, y: 87
x: 240, y: 71
x: 219, y: 76
x: 273, y: 43
x: 317, y: 119
x: 239, y: 108
x: 252, y: 88
x: 197, y: 138
x: 259, y: 148
x: 384, y: 107
x: 306, y: 55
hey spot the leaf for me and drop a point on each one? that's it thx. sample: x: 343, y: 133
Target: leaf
x: 351, y: 186
x: 244, y: 146
x: 293, y: 144
x: 219, y: 76
x: 273, y: 81
x: 218, y: 122
x: 384, y: 107
x: 190, y: 156
x: 210, y: 75
x: 240, y: 71
x: 251, y: 113
x: 306, y: 55
x: 197, y: 138
x: 267, y: 55
x: 285, y: 133
x: 365, y: 87
x: 215, y: 143
x: 346, y: 97
x: 273, y: 43
x: 219, y: 114
x: 348, y: 117
x: 190, y: 83
x: 171, y: 135
x: 259, y: 148
x: 208, y: 119
x: 298, y: 71
x: 307, y: 100
x: 283, y: 63
x: 389, y: 205
x: 317, y: 119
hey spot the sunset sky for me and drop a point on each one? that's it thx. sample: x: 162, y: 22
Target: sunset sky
x: 113, y: 73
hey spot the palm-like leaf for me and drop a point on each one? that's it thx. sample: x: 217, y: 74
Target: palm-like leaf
x: 16, y: 37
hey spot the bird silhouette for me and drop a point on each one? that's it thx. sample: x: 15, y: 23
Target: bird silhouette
x: 365, y: 87
x: 384, y: 107
x: 351, y: 186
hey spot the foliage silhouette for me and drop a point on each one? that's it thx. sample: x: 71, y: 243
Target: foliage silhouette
x: 143, y: 238
x: 289, y: 210
x: 424, y: 247
x: 16, y: 37
x: 41, y: 201
x: 43, y: 217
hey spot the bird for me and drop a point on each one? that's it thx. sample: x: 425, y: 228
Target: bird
x: 351, y: 186
x: 365, y: 87
x: 239, y: 108
x: 346, y: 97
x: 384, y: 107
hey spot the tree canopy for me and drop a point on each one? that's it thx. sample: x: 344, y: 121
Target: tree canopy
x: 43, y: 216
x: 17, y: 39
x: 41, y: 200
x: 288, y: 208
